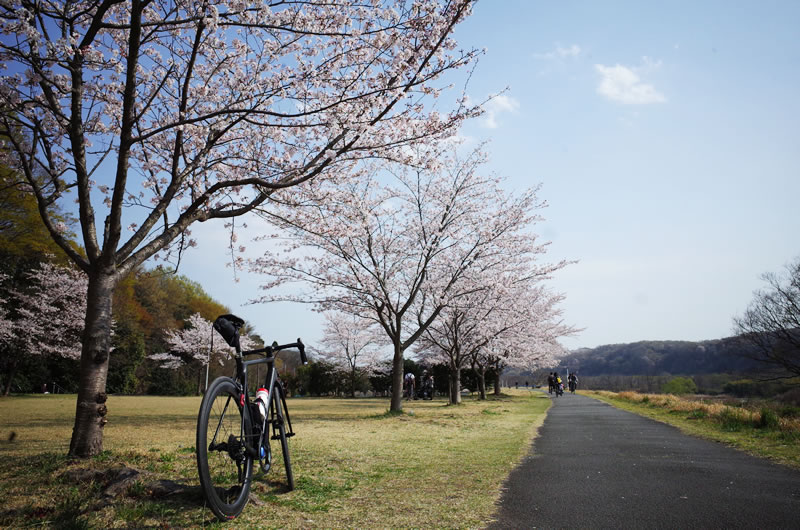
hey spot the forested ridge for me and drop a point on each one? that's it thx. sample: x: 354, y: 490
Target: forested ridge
x: 660, y: 357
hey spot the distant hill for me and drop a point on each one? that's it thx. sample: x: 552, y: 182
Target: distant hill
x: 662, y: 357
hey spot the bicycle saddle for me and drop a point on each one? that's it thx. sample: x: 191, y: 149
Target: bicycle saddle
x: 228, y: 326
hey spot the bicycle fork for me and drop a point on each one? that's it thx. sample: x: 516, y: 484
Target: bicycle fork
x: 280, y: 417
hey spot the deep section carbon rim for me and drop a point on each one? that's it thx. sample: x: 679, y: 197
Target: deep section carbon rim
x: 225, y: 469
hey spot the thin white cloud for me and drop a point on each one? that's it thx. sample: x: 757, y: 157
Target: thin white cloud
x: 496, y: 105
x: 649, y: 65
x: 560, y: 53
x: 623, y: 85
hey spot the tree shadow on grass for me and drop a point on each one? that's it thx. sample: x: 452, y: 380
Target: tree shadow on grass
x: 51, y: 489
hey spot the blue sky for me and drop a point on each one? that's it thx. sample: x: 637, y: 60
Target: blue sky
x: 667, y: 141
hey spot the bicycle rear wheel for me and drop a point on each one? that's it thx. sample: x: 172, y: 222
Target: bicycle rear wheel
x: 280, y: 421
x: 224, y: 467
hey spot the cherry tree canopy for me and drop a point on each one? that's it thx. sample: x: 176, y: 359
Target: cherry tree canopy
x: 349, y: 341
x: 5, y: 323
x: 506, y: 317
x: 203, y: 107
x: 46, y: 317
x: 155, y: 114
x: 401, y: 246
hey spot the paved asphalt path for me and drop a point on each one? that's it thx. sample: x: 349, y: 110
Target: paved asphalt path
x: 595, y: 466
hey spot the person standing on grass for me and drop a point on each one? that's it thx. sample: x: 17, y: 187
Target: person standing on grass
x: 550, y: 383
x: 409, y: 384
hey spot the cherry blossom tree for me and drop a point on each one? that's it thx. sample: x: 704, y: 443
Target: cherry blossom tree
x: 195, y: 345
x: 508, y: 318
x: 156, y: 114
x: 529, y: 341
x: 44, y: 316
x: 6, y: 325
x: 397, y: 249
x: 351, y: 343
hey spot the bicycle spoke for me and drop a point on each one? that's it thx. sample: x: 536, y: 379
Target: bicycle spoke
x: 221, y: 419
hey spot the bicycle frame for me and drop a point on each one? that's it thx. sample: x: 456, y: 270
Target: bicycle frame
x: 270, y: 380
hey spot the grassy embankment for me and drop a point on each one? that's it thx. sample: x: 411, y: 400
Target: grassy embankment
x: 354, y: 464
x: 760, y: 428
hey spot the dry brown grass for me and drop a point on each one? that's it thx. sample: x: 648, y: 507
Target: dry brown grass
x: 760, y: 428
x: 354, y: 465
x: 752, y: 415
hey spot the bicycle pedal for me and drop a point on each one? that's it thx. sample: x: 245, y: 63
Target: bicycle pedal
x: 289, y: 434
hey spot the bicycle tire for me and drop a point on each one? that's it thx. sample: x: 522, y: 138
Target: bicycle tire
x: 281, y: 417
x: 224, y: 467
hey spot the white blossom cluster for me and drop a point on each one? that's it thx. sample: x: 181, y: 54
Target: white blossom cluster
x: 194, y: 344
x: 44, y: 314
x: 436, y: 251
x: 203, y: 108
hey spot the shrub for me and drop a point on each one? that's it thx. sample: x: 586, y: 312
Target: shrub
x: 768, y: 419
x: 679, y: 385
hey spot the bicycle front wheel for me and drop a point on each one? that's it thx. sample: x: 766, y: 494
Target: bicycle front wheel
x: 224, y: 467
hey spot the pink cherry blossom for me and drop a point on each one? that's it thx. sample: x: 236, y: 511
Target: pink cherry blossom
x: 403, y: 247
x: 192, y: 111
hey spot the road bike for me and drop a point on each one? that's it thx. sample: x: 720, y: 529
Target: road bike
x: 233, y: 430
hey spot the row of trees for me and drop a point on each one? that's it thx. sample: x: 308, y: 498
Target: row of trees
x: 152, y: 115
x: 429, y: 254
x: 322, y: 378
x: 41, y: 323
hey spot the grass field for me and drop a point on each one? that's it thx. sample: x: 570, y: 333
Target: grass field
x: 762, y: 429
x: 354, y: 465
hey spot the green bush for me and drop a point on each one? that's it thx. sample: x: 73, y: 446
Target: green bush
x: 679, y: 386
x: 768, y: 419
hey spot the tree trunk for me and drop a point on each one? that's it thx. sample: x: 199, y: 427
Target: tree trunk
x: 91, y: 410
x: 497, y: 381
x: 455, y: 385
x: 397, y: 378
x: 11, y: 373
x: 482, y: 382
